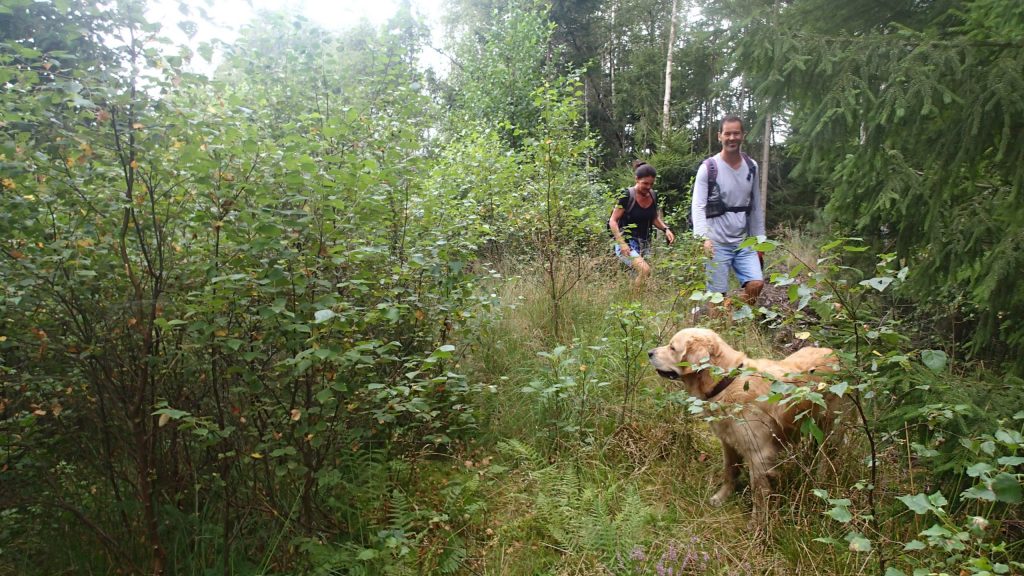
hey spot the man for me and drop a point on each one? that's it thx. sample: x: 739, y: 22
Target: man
x: 728, y: 211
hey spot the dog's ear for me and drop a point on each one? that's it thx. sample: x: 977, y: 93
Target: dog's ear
x: 714, y: 349
x: 695, y: 353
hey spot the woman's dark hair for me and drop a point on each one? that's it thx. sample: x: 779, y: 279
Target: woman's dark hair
x: 642, y: 169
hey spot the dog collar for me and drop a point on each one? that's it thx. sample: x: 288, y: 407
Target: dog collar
x: 722, y: 385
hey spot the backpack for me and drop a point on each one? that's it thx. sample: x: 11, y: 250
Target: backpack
x: 629, y: 206
x: 715, y: 206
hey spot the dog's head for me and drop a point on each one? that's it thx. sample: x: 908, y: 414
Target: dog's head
x: 686, y: 351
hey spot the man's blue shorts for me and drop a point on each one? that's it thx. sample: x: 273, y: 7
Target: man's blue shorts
x: 636, y: 248
x: 743, y: 260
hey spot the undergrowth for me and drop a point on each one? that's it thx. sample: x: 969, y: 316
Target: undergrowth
x: 605, y: 471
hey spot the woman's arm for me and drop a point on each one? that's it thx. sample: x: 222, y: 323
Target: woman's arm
x: 660, y: 225
x: 613, y: 225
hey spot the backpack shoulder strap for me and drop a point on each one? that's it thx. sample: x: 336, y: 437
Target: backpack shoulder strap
x: 712, y: 168
x: 750, y: 164
x: 632, y: 199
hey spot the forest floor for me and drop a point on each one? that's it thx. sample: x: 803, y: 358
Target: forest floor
x: 589, y: 463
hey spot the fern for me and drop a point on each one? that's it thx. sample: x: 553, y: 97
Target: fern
x: 585, y: 519
x: 452, y: 557
x: 557, y: 503
x: 599, y: 531
x: 522, y: 452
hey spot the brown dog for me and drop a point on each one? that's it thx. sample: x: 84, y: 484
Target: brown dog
x: 754, y: 431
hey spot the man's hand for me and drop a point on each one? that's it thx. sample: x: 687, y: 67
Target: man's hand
x: 709, y: 248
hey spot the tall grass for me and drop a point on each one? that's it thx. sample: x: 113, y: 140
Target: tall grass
x: 621, y: 486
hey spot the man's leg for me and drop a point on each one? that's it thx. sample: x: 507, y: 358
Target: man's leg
x: 748, y: 272
x: 717, y: 269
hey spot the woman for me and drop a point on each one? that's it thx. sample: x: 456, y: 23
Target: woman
x: 631, y: 221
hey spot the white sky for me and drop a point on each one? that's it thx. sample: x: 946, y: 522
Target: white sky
x: 230, y: 15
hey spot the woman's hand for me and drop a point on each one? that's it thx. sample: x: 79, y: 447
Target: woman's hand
x: 669, y: 235
x: 709, y: 248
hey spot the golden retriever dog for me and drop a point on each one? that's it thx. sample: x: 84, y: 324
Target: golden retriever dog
x: 750, y: 430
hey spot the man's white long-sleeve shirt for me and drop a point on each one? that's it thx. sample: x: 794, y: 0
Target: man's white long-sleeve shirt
x: 739, y: 187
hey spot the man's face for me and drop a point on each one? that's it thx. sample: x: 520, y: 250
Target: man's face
x: 731, y: 136
x: 644, y: 185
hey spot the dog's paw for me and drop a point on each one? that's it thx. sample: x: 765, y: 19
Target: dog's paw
x: 720, y: 497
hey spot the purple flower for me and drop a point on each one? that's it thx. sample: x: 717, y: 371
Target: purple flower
x: 672, y: 552
x: 686, y: 560
x: 638, y: 553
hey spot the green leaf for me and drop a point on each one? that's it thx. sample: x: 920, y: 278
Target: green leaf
x: 325, y: 395
x: 890, y: 571
x: 935, y: 360
x: 744, y: 313
x: 858, y: 543
x: 918, y: 503
x: 915, y: 545
x: 171, y: 413
x: 367, y: 554
x: 809, y: 427
x: 937, y: 530
x: 839, y: 389
x: 1011, y: 460
x: 979, y: 469
x: 322, y: 316
x: 1011, y: 438
x: 840, y: 514
x: 979, y: 492
x: 1007, y: 488
x: 443, y: 352
x: 878, y: 283
x: 831, y: 245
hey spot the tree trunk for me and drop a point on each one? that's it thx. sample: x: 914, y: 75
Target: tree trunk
x: 666, y: 119
x: 613, y: 60
x: 765, y: 147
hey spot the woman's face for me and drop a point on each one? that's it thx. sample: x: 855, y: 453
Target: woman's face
x: 644, y: 185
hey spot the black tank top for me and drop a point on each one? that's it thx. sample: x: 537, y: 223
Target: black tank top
x: 636, y: 223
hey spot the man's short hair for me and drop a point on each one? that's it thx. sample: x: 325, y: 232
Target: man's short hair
x: 731, y: 118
